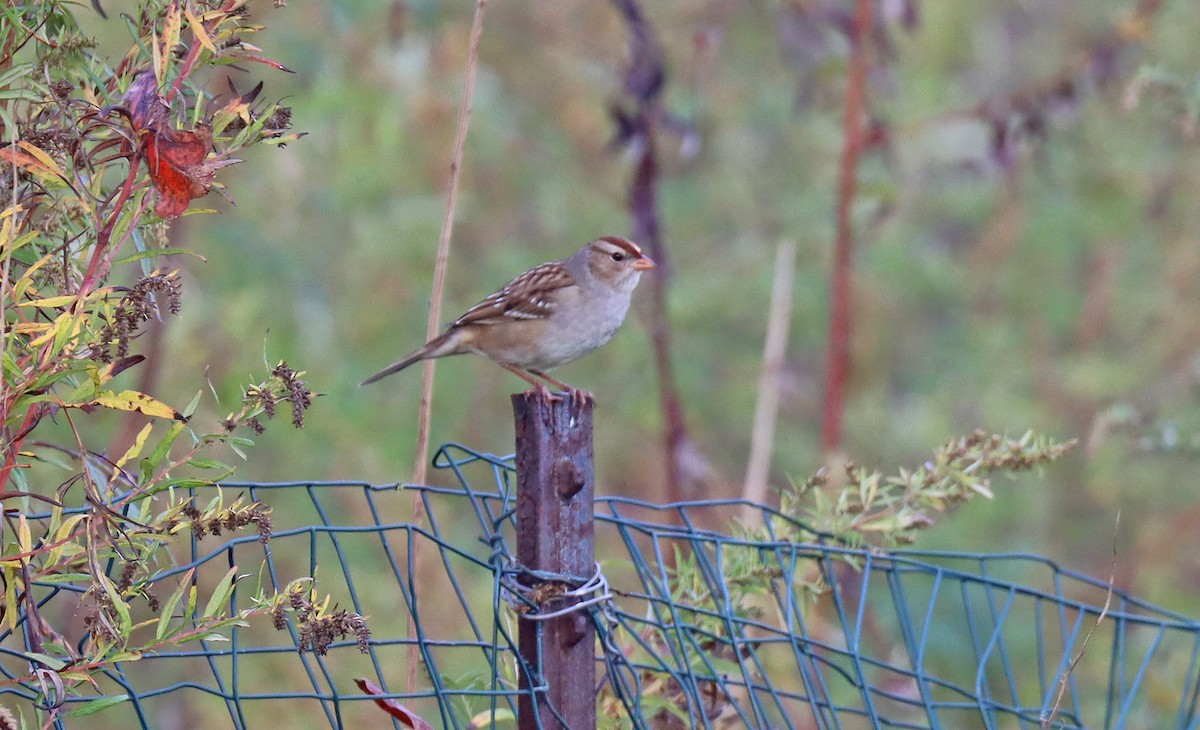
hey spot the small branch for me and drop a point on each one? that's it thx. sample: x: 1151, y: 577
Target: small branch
x: 425, y: 409
x: 644, y: 80
x: 12, y: 444
x: 837, y: 369
x: 1084, y: 73
x: 766, y: 410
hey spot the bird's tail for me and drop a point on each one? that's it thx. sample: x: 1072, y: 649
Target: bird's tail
x: 446, y: 344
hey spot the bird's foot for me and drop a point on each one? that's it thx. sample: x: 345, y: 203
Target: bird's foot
x: 551, y: 397
x: 578, y: 395
x: 581, y: 397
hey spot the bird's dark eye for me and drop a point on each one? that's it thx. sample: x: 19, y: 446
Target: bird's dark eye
x: 618, y: 256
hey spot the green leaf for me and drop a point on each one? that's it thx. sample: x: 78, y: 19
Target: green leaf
x: 15, y: 72
x: 64, y: 578
x: 191, y: 604
x: 119, y: 605
x: 220, y: 594
x: 152, y: 462
x: 206, y: 463
x: 168, y: 607
x: 151, y: 253
x: 96, y: 705
x: 66, y: 327
x: 87, y: 390
x: 212, y: 637
x: 185, y: 483
x: 54, y: 663
x: 190, y: 408
x: 237, y: 450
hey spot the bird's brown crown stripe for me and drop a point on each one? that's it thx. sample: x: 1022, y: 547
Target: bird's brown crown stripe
x: 624, y: 243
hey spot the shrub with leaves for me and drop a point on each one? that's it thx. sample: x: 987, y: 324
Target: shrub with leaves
x: 742, y: 581
x: 96, y: 160
x: 871, y: 508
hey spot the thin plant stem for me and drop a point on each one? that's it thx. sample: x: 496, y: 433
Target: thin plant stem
x: 1065, y: 678
x: 425, y: 409
x: 766, y: 409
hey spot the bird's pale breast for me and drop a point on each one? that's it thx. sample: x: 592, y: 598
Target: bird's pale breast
x: 572, y: 338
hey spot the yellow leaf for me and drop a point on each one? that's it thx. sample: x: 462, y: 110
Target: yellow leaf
x: 26, y: 160
x: 64, y: 530
x: 62, y: 300
x: 199, y: 31
x: 66, y: 326
x: 131, y: 400
x: 24, y: 536
x: 170, y: 39
x: 50, y: 301
x: 29, y: 328
x: 26, y: 280
x: 9, y: 246
x: 136, y: 448
x: 156, y: 58
x: 42, y: 157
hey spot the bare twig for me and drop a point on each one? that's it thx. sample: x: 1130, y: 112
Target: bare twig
x: 435, y: 307
x: 766, y: 410
x: 1048, y: 719
x: 837, y: 369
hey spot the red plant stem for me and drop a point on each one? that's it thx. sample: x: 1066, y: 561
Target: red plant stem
x: 113, y: 250
x: 837, y: 369
x: 94, y: 270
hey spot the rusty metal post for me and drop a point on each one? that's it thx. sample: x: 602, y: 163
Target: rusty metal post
x: 555, y: 533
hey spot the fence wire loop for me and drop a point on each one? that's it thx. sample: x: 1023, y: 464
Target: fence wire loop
x: 596, y: 584
x: 696, y: 627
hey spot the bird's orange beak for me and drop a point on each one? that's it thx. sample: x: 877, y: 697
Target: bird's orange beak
x: 644, y: 263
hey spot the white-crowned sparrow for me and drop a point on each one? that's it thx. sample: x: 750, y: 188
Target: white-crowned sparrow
x: 546, y: 317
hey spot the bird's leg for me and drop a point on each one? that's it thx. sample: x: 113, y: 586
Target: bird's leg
x: 537, y: 384
x: 579, y: 395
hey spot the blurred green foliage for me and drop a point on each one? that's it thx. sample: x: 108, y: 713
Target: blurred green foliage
x: 1050, y: 285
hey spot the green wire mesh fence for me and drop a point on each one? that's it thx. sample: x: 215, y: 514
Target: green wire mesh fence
x: 697, y: 627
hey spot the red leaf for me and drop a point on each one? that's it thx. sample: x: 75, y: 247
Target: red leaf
x: 392, y: 707
x: 176, y: 158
